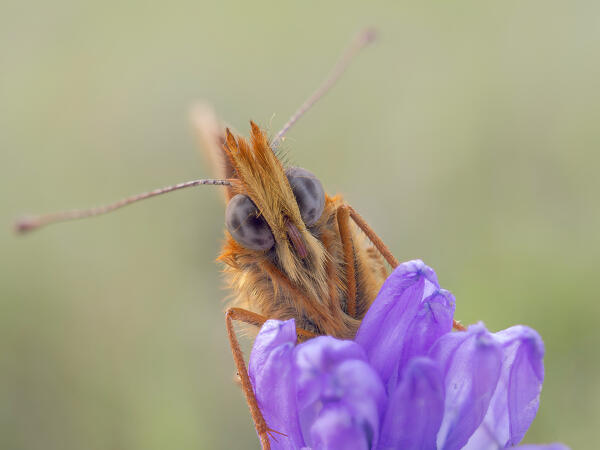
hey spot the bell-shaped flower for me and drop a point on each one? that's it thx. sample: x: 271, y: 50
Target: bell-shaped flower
x: 406, y: 381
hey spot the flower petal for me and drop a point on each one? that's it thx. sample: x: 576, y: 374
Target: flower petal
x: 553, y: 446
x: 471, y: 363
x: 271, y: 373
x: 384, y: 329
x: 315, y: 360
x: 516, y: 399
x: 338, y: 394
x: 415, y: 408
x: 433, y: 320
x: 336, y: 428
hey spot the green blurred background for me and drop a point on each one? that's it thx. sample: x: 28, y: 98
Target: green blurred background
x: 468, y: 136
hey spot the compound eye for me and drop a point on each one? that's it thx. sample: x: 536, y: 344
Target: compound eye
x: 246, y: 225
x: 309, y: 194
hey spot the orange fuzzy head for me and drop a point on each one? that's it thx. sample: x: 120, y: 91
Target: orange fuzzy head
x: 258, y: 175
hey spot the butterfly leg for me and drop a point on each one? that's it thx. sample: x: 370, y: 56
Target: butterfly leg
x: 258, y: 320
x: 385, y: 252
x: 343, y: 219
x: 376, y: 240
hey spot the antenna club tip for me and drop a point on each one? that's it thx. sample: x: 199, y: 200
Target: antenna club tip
x: 25, y: 224
x: 368, y: 35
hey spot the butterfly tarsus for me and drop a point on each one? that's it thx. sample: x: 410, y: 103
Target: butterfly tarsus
x: 251, y: 318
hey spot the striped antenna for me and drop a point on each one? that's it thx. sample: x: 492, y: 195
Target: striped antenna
x: 31, y: 223
x: 364, y: 38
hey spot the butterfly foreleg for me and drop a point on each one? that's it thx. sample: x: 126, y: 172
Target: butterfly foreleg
x: 343, y: 220
x: 252, y: 318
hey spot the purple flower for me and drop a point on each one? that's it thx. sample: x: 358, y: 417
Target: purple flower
x: 405, y: 382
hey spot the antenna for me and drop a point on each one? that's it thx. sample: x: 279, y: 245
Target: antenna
x: 364, y: 38
x: 31, y: 223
